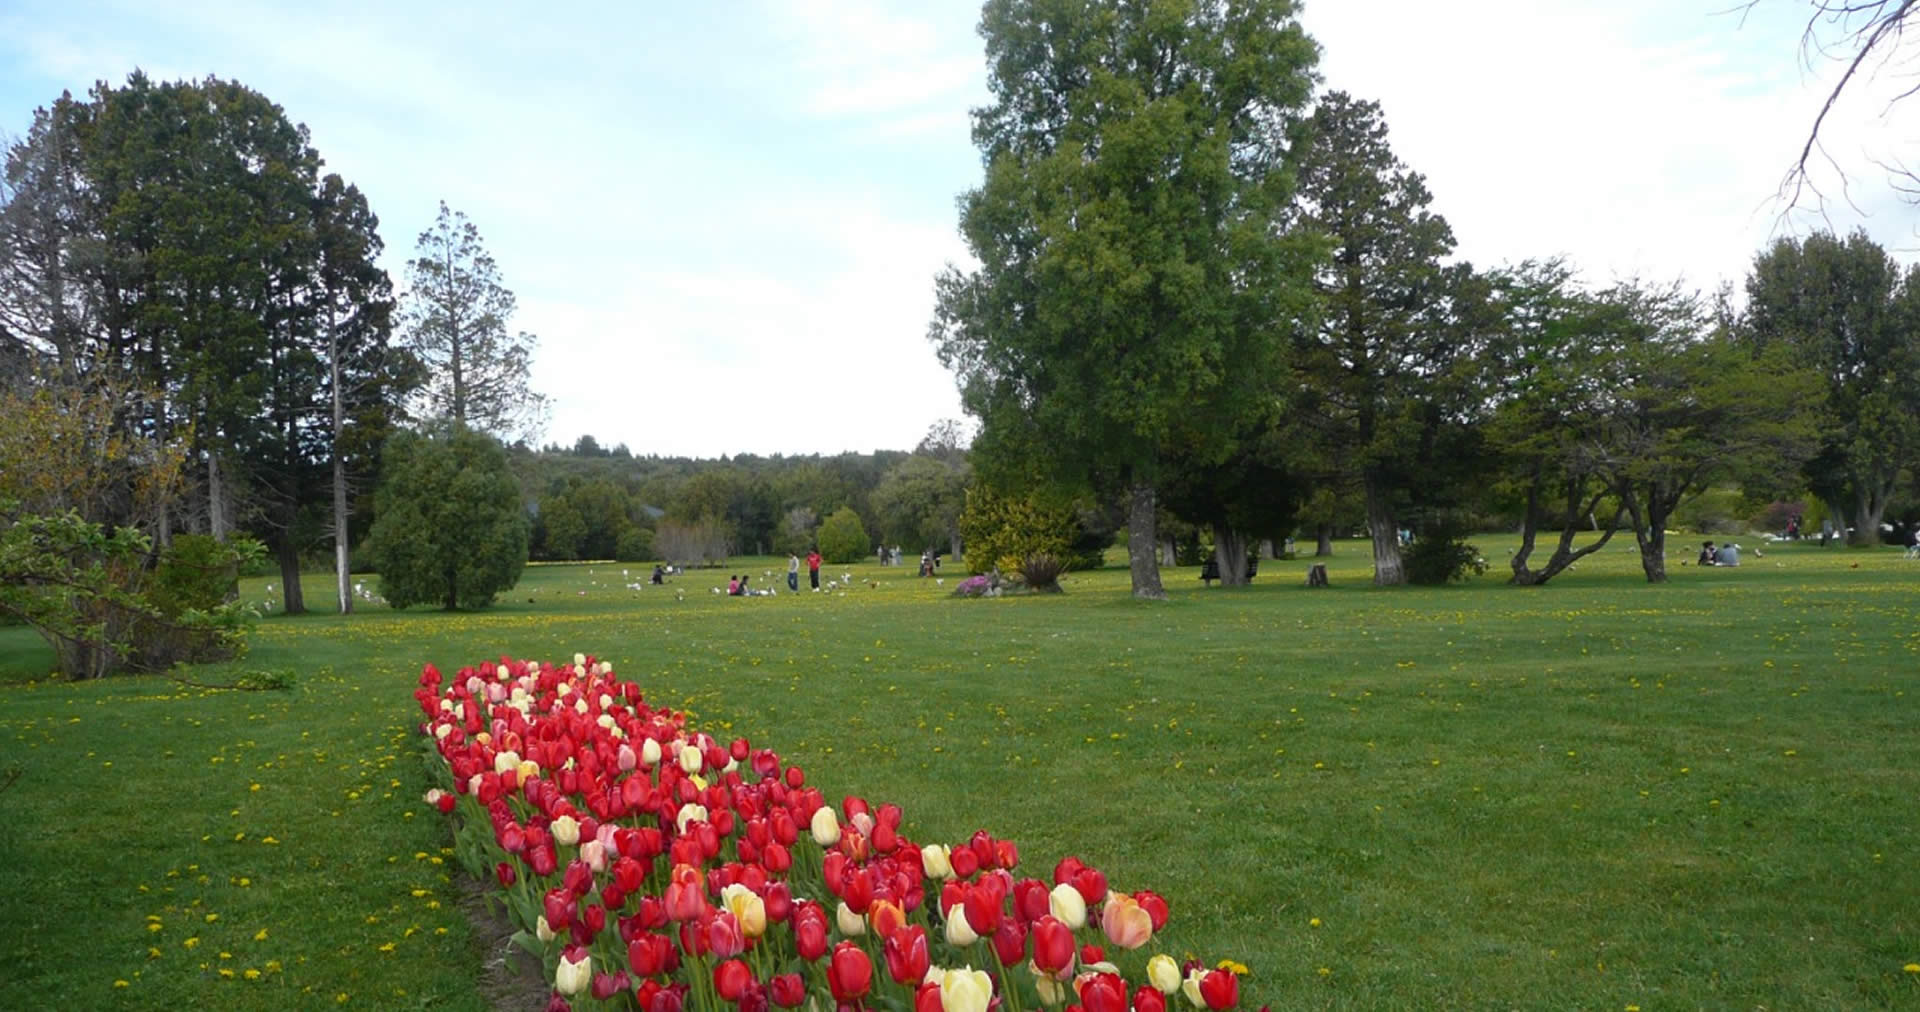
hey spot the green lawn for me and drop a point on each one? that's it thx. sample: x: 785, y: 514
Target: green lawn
x: 1593, y: 795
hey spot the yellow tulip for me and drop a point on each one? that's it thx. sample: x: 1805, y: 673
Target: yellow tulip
x: 959, y: 932
x: 965, y: 990
x: 566, y: 829
x: 825, y: 826
x: 1067, y: 906
x: 1163, y: 973
x: 935, y: 862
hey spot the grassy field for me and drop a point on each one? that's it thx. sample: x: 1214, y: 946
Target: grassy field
x: 1594, y: 795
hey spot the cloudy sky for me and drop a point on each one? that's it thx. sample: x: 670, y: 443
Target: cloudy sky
x: 723, y: 220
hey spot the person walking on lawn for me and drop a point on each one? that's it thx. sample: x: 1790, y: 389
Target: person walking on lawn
x: 793, y: 571
x: 813, y: 567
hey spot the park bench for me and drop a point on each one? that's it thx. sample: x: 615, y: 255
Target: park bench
x: 1210, y: 569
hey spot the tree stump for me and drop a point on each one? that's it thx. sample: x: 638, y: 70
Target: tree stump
x: 1317, y: 575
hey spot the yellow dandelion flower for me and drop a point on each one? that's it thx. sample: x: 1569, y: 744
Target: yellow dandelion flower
x: 388, y: 947
x: 250, y: 973
x: 260, y: 936
x: 1912, y: 968
x: 269, y: 841
x: 153, y: 927
x: 1237, y: 969
x: 121, y: 983
x: 224, y: 972
x: 191, y: 942
x: 1313, y: 922
x: 417, y: 893
x: 153, y: 952
x: 212, y: 917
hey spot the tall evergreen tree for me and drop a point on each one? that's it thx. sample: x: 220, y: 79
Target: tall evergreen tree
x: 1372, y: 367
x: 1132, y: 275
x: 457, y: 316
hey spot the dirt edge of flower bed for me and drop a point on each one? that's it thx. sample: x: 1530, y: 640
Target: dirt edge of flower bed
x: 511, y: 980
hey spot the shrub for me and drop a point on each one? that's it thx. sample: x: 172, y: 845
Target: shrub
x: 450, y: 528
x: 1441, y: 555
x: 196, y: 571
x: 635, y: 544
x: 1041, y: 572
x: 1000, y: 531
x: 843, y: 538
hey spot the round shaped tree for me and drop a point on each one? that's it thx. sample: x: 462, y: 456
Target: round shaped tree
x: 450, y: 529
x: 843, y: 538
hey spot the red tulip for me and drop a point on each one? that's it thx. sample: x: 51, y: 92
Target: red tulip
x: 1104, y: 992
x: 559, y: 908
x: 810, y: 931
x: 906, y: 954
x: 730, y: 979
x: 779, y: 902
x: 788, y: 990
x: 856, y: 888
x: 505, y: 873
x: 685, y: 901
x: 606, y: 985
x: 964, y: 861
x: 1147, y: 999
x: 927, y: 999
x: 723, y: 936
x: 1030, y: 899
x: 1091, y: 953
x: 886, y: 917
x: 982, y: 904
x: 849, y: 972
x: 1052, y: 944
x: 1155, y: 905
x: 1010, y: 942
x: 666, y: 999
x: 1091, y: 884
x: 1066, y: 870
x: 1220, y: 989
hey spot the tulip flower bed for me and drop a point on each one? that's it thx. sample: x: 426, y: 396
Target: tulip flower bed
x: 652, y: 865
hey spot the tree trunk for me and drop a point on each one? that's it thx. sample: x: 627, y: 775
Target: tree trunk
x: 216, y: 499
x: 1529, y: 526
x: 1141, y: 541
x: 1385, y: 532
x: 342, y: 579
x: 953, y: 542
x: 1651, y: 533
x: 289, y: 559
x: 1322, y: 540
x: 1869, y: 506
x: 1267, y: 550
x: 1230, y: 551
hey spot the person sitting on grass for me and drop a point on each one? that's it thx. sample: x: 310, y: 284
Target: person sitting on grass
x: 1728, y: 555
x: 1707, y: 557
x: 733, y: 585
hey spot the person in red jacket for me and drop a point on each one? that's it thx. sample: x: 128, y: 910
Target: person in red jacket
x: 813, y: 567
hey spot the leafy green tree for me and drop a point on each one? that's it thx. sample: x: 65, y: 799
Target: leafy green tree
x: 560, y: 530
x: 457, y: 322
x: 843, y: 538
x: 1686, y: 408
x: 1546, y: 374
x: 1374, y: 361
x: 450, y: 529
x: 1132, y: 272
x: 1844, y: 309
x: 1253, y: 495
x: 919, y: 502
